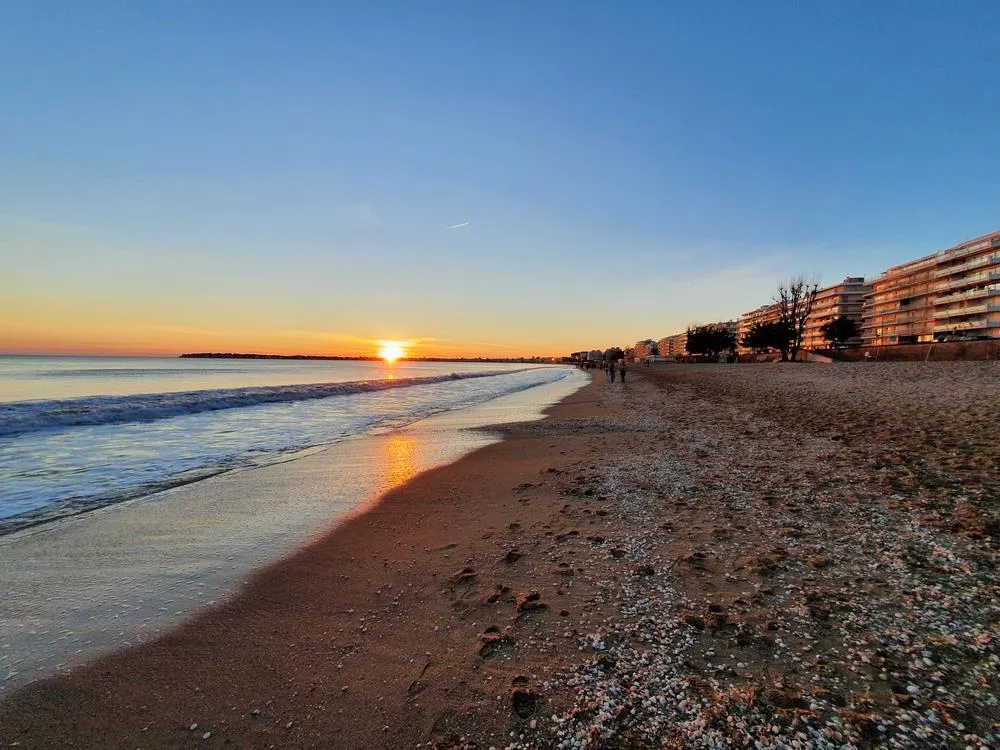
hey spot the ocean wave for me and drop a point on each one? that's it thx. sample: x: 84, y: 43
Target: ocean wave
x: 22, y: 417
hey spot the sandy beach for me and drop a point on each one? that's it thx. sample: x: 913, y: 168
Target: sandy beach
x: 705, y: 556
x: 119, y: 576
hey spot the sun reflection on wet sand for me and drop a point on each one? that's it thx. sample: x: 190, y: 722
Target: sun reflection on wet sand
x: 400, y: 463
x: 202, y: 532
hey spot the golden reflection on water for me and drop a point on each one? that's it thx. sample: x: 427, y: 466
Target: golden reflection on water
x: 400, y: 464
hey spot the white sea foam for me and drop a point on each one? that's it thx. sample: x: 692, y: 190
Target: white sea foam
x: 18, y: 418
x: 117, y: 578
x: 63, y: 457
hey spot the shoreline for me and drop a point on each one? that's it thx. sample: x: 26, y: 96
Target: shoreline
x: 371, y: 358
x: 188, y: 661
x: 120, y: 575
x: 66, y: 456
x: 705, y: 555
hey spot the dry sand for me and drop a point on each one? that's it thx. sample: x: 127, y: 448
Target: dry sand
x: 708, y: 556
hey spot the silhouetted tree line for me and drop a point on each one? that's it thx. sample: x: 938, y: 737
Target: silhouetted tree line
x: 710, y: 341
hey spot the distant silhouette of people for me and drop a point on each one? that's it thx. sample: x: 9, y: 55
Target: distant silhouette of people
x: 611, y: 371
x: 621, y: 369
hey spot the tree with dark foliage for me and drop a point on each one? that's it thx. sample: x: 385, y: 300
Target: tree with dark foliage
x: 840, y: 330
x: 710, y: 341
x: 765, y: 336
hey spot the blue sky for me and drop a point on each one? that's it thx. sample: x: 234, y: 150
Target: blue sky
x: 285, y: 174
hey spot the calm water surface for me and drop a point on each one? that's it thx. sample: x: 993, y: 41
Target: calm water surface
x: 81, y: 432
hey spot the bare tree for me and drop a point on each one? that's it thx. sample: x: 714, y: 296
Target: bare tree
x: 795, y: 302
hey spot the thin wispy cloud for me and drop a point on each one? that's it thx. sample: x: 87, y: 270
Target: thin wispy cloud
x: 493, y: 345
x: 364, y: 213
x: 184, y: 330
x: 459, y: 226
x: 325, y: 336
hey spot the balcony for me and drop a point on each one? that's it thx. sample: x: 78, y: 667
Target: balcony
x: 970, y: 249
x: 901, y: 284
x: 916, y: 265
x: 989, y: 291
x: 967, y: 326
x: 959, y: 311
x: 977, y: 278
x: 889, y: 308
x: 986, y: 260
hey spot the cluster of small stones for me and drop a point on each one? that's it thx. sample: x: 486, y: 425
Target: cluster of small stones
x: 886, y: 627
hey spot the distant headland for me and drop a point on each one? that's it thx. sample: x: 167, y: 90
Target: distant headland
x: 237, y: 355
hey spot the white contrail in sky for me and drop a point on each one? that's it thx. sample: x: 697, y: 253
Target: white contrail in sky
x: 459, y: 226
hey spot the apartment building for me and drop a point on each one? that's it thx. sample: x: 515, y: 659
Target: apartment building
x: 846, y: 298
x: 643, y: 349
x: 763, y: 314
x: 674, y: 346
x: 950, y: 294
x: 898, y: 310
x: 967, y: 289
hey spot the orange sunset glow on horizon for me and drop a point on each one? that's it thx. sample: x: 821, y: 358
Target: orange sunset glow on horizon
x: 67, y: 337
x: 390, y: 351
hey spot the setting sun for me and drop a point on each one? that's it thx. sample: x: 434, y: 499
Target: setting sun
x: 390, y: 351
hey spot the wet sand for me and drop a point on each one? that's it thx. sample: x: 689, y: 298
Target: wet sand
x: 120, y: 576
x: 795, y: 556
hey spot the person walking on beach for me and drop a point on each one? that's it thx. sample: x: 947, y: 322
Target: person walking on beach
x: 611, y: 371
x: 621, y: 370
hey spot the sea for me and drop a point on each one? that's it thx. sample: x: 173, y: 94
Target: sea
x: 80, y: 433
